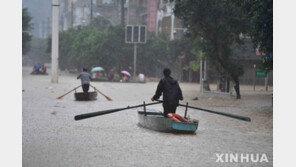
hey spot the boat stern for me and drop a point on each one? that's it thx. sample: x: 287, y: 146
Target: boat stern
x: 185, y: 127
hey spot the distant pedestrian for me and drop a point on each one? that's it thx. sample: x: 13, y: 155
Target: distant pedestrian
x: 171, y: 91
x: 125, y: 78
x: 85, y: 79
x: 141, y: 78
x: 111, y: 74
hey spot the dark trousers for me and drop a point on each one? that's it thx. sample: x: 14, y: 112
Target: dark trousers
x: 169, y: 109
x: 85, y: 88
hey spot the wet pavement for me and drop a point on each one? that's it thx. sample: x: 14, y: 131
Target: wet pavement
x: 51, y: 136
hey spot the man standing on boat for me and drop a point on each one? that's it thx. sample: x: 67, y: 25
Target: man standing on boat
x: 85, y: 78
x: 171, y: 92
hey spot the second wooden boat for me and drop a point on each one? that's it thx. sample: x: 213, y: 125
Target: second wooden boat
x: 81, y: 96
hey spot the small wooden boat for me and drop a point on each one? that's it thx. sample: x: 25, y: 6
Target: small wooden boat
x: 81, y: 96
x: 155, y: 120
x: 38, y: 73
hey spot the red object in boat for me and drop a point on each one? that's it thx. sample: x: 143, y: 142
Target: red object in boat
x: 177, y: 118
x: 180, y: 118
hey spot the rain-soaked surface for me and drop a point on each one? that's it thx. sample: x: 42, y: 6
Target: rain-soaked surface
x: 51, y: 136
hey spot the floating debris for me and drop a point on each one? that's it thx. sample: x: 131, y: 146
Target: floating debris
x: 54, y: 113
x: 196, y: 98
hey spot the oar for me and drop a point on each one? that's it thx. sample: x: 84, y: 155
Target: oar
x: 68, y: 92
x: 216, y: 112
x: 93, y: 114
x: 108, y: 98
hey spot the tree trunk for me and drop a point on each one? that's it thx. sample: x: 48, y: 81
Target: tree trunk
x: 236, y: 87
x: 227, y: 85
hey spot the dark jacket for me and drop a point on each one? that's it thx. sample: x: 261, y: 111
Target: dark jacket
x: 171, y: 91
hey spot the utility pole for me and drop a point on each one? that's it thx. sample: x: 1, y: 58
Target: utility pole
x: 172, y: 26
x: 135, y: 60
x: 55, y: 41
x: 91, y: 9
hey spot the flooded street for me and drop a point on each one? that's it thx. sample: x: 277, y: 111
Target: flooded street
x: 51, y: 136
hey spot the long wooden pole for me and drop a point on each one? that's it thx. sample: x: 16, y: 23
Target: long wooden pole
x: 216, y: 112
x: 108, y: 98
x: 98, y: 113
x: 68, y: 92
x: 185, y: 115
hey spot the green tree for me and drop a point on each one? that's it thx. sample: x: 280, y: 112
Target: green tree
x: 218, y: 24
x: 27, y: 26
x: 99, y: 45
x: 152, y: 55
x: 259, y: 15
x: 98, y: 23
x: 37, y: 50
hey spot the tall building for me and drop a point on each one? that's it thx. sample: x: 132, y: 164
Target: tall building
x: 74, y: 13
x: 111, y: 10
x: 167, y: 22
x: 137, y: 12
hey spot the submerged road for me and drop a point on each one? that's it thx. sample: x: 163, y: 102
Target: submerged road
x: 51, y: 136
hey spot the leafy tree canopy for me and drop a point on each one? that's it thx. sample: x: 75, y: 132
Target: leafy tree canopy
x: 27, y: 26
x: 217, y: 26
x: 260, y: 20
x: 101, y: 44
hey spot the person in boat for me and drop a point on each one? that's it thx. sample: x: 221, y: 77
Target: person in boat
x: 85, y: 79
x: 36, y: 68
x: 171, y: 91
x: 43, y: 69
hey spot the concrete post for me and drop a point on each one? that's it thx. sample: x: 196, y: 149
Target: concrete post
x: 200, y: 76
x: 55, y: 41
x: 266, y: 82
x: 172, y: 26
x: 205, y: 69
x: 254, y: 77
x: 135, y: 60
